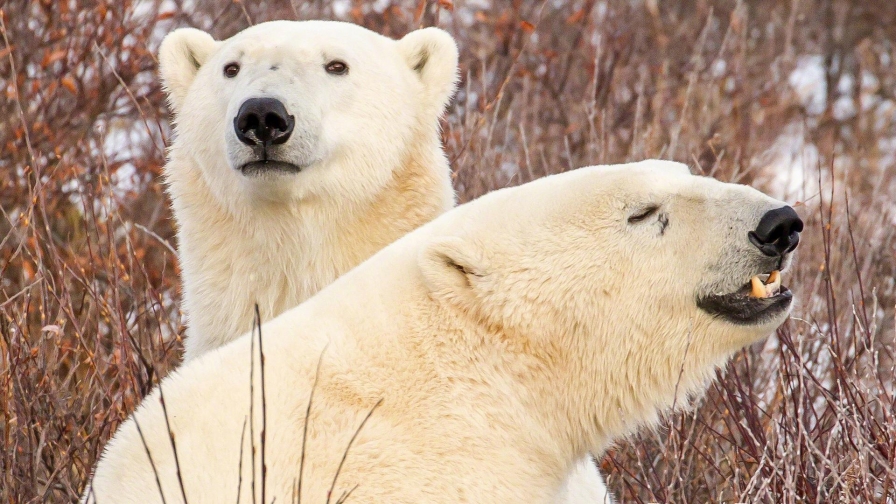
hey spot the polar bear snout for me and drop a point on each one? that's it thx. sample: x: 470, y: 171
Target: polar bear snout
x: 778, y: 232
x: 265, y: 125
x: 762, y: 298
x: 263, y: 122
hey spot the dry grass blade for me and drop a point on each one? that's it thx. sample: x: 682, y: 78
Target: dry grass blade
x: 348, y: 447
x: 264, y: 408
x: 320, y: 361
x: 239, y: 482
x: 346, y: 495
x: 152, y: 464
x: 180, y: 478
x: 252, y: 408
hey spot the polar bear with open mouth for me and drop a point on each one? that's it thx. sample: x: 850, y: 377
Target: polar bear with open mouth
x: 525, y: 340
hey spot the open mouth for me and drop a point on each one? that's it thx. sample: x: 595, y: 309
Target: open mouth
x: 761, y: 299
x: 268, y: 167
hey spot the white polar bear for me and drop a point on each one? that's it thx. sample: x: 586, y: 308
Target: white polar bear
x: 478, y: 358
x: 301, y: 149
x: 358, y: 164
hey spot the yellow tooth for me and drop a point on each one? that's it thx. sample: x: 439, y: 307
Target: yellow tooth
x: 758, y: 290
x: 774, y: 283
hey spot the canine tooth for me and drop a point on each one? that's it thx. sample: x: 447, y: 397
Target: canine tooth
x: 758, y: 290
x: 774, y: 284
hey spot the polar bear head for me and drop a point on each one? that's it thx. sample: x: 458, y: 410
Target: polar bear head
x: 631, y: 282
x: 297, y: 110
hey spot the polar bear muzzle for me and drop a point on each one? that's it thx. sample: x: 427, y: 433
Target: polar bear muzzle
x: 763, y: 297
x: 262, y: 124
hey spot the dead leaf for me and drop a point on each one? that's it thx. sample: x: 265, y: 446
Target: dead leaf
x: 54, y: 57
x: 69, y: 83
x: 576, y: 17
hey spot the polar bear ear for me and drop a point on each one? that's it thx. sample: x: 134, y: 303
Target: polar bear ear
x: 453, y: 269
x: 432, y: 54
x: 181, y: 55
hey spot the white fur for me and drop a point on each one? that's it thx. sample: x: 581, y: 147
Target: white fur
x: 506, y: 340
x: 374, y: 168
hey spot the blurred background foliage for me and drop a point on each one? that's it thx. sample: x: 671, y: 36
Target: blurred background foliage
x: 797, y: 98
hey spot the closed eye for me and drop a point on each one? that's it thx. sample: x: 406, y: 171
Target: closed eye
x: 643, y: 214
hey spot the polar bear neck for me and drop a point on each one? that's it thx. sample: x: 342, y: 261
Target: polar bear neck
x: 278, y: 257
x: 443, y: 356
x: 633, y: 384
x: 608, y: 392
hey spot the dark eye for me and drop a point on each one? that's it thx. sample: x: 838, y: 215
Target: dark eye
x: 336, y: 67
x: 231, y: 69
x: 643, y: 214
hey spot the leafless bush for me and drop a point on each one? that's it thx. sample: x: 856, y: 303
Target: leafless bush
x: 794, y: 97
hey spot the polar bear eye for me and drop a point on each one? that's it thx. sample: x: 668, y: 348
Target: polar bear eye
x: 642, y: 214
x: 336, y: 67
x: 231, y: 69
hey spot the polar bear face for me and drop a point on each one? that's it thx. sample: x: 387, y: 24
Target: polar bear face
x: 644, y: 267
x: 293, y: 110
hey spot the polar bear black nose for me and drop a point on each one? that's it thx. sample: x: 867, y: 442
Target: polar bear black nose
x: 263, y: 121
x: 778, y: 231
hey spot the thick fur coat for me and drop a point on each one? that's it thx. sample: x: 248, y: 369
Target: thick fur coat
x: 477, y: 359
x: 372, y: 168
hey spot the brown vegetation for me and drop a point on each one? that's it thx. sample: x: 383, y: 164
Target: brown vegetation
x: 796, y: 97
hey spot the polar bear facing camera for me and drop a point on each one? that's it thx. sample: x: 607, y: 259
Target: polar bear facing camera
x: 520, y: 318
x: 301, y: 149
